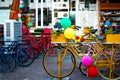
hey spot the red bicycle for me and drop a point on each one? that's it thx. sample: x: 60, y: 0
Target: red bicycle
x: 40, y: 44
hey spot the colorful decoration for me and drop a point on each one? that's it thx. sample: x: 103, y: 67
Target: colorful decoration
x: 65, y: 22
x: 77, y: 37
x: 21, y: 6
x: 30, y: 24
x: 19, y: 15
x: 20, y: 19
x: 82, y: 39
x: 86, y: 60
x: 92, y: 71
x: 69, y: 33
x: 107, y: 23
x: 21, y: 1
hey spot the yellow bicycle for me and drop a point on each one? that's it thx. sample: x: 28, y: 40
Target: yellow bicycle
x: 106, y: 60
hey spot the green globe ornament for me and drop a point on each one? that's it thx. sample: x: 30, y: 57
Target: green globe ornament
x: 21, y: 6
x: 65, y: 22
x: 30, y: 24
x: 20, y: 19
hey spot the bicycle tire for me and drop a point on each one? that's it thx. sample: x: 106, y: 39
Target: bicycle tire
x: 117, y: 73
x: 24, y: 55
x: 50, y: 62
x: 7, y: 63
x: 83, y: 69
x: 31, y: 51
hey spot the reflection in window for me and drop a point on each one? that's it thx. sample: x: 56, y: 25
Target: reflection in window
x: 39, y: 0
x: 2, y: 0
x: 65, y: 0
x: 32, y: 1
x: 46, y: 16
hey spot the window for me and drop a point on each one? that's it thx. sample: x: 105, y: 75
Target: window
x: 40, y: 0
x: 8, y: 29
x: 39, y: 16
x: 32, y: 1
x: 2, y: 0
x: 81, y: 0
x: 65, y: 0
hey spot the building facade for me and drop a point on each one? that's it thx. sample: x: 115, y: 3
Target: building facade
x: 44, y: 13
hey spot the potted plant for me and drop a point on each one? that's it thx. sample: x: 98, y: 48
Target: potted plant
x: 58, y: 36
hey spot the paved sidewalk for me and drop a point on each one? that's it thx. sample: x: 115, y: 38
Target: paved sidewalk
x: 36, y: 72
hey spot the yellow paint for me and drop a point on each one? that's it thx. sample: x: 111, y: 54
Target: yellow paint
x: 59, y: 38
x: 113, y: 38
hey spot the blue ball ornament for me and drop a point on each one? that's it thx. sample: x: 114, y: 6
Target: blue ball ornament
x: 21, y: 6
x: 108, y: 23
x: 65, y: 22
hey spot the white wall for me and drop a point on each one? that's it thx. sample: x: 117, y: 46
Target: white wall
x: 6, y: 3
x: 4, y: 16
x: 87, y: 18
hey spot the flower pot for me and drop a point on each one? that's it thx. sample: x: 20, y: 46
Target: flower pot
x: 113, y: 38
x: 86, y: 30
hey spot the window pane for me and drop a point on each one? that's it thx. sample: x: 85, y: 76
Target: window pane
x: 32, y: 1
x: 39, y: 17
x: 39, y: 0
x: 2, y: 0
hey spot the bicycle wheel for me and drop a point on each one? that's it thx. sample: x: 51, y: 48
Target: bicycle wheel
x: 61, y: 65
x: 7, y: 63
x: 117, y: 61
x: 30, y: 50
x: 117, y: 65
x: 24, y: 56
x: 107, y: 65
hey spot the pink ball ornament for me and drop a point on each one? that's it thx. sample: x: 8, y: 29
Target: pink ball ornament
x: 86, y: 60
x: 19, y: 15
x: 21, y: 1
